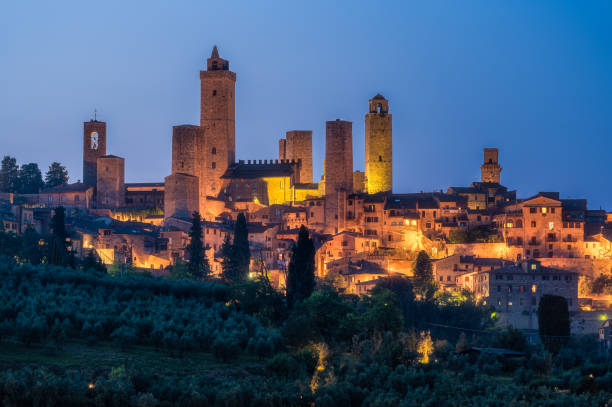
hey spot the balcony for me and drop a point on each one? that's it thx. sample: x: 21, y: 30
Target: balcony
x: 534, y: 243
x: 551, y: 238
x: 570, y: 239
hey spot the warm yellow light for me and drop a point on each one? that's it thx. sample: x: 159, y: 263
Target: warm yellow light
x: 603, y: 317
x: 413, y: 222
x: 91, y: 385
x: 533, y: 288
x: 543, y: 210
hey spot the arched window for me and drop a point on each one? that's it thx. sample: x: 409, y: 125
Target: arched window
x: 214, y: 150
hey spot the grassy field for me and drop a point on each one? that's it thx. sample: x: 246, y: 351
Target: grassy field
x: 107, y: 355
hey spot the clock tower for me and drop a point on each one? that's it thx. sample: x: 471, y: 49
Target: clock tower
x: 94, y: 146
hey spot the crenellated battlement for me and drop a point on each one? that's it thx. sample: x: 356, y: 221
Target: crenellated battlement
x: 271, y: 162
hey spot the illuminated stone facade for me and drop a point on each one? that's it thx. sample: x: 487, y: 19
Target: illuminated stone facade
x: 378, y: 146
x: 217, y: 117
x: 490, y: 170
x: 297, y: 145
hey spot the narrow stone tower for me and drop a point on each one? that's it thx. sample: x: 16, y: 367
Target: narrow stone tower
x: 490, y: 169
x: 338, y: 172
x: 297, y: 145
x: 94, y: 147
x: 111, y: 182
x: 217, y: 117
x: 188, y: 154
x: 378, y: 146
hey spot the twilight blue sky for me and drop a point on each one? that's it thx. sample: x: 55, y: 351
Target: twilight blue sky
x: 530, y: 77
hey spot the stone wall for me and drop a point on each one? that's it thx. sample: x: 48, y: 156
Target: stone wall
x: 181, y: 195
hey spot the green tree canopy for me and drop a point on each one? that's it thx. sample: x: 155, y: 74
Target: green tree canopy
x: 29, y: 180
x: 237, y: 256
x: 383, y: 312
x: 424, y: 283
x: 553, y: 322
x: 197, y: 264
x: 57, y: 174
x: 300, y: 274
x: 9, y: 173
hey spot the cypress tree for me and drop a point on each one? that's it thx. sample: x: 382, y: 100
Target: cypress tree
x: 424, y: 282
x: 300, y: 274
x: 197, y: 265
x: 228, y: 265
x: 241, y: 251
x: 553, y: 322
x: 59, y: 253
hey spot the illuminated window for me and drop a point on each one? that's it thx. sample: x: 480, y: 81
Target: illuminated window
x: 544, y: 211
x: 94, y: 140
x: 551, y: 225
x: 534, y: 288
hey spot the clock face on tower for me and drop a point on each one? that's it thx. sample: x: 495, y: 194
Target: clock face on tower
x: 94, y: 140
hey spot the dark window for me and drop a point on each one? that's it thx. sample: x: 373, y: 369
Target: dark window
x: 214, y: 150
x: 214, y: 93
x: 214, y: 165
x: 532, y: 210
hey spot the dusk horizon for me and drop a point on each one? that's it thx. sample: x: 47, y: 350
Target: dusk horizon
x: 532, y: 96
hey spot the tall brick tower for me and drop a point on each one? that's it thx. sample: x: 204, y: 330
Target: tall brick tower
x: 217, y: 117
x: 94, y: 146
x: 297, y: 145
x: 338, y: 172
x: 378, y: 146
x: 490, y: 169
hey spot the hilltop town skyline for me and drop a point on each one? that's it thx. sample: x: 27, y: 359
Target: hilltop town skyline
x: 442, y: 119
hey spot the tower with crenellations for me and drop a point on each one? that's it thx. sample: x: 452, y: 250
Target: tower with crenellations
x: 94, y: 147
x: 297, y: 145
x: 490, y: 170
x: 378, y: 146
x: 217, y: 117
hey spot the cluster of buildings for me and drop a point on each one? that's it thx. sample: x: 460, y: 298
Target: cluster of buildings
x: 478, y: 235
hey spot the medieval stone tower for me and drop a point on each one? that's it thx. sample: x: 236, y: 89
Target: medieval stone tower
x: 490, y: 169
x: 189, y: 155
x: 338, y: 171
x: 94, y: 146
x: 297, y: 145
x: 378, y: 146
x: 111, y: 182
x: 217, y: 117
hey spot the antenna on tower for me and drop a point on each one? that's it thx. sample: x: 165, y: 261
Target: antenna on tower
x: 95, y: 114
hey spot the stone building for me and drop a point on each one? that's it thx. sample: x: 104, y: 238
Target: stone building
x: 297, y: 145
x: 515, y: 290
x: 490, y: 170
x: 110, y: 192
x: 266, y: 183
x: 94, y: 147
x: 217, y: 117
x: 378, y: 146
